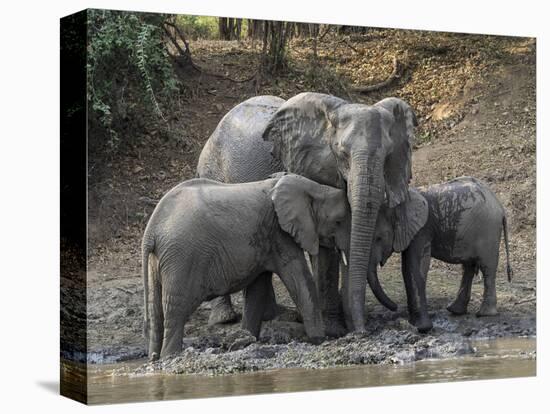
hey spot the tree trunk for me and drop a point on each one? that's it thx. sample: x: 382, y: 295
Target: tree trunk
x: 176, y: 37
x: 313, y: 62
x: 230, y: 29
x: 254, y: 29
x: 275, y: 40
x: 238, y: 27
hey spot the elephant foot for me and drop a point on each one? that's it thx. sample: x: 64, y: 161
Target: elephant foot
x: 223, y: 316
x: 487, y: 310
x: 316, y: 340
x: 423, y: 324
x: 425, y: 327
x: 335, y: 328
x: 223, y: 313
x: 153, y: 357
x: 457, y: 308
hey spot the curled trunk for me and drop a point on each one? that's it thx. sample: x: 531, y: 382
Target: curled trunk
x: 374, y: 283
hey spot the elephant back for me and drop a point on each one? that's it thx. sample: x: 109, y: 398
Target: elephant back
x: 236, y: 152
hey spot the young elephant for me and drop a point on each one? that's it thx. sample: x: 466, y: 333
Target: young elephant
x: 207, y: 239
x: 464, y: 226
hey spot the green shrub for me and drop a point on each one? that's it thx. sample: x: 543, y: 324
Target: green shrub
x: 129, y: 72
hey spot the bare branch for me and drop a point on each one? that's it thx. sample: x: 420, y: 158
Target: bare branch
x: 175, y: 42
x: 326, y: 31
x: 180, y: 34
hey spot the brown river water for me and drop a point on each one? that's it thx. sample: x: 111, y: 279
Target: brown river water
x: 496, y: 358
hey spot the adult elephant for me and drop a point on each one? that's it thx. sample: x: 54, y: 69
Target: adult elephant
x: 236, y: 153
x: 363, y: 149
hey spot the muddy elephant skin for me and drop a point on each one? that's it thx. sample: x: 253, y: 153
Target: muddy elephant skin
x: 464, y: 225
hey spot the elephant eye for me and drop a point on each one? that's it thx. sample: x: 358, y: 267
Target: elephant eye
x: 343, y: 152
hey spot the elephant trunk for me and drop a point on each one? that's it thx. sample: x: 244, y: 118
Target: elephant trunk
x: 374, y: 283
x: 365, y: 194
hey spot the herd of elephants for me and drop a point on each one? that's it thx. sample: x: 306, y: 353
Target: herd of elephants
x: 316, y: 190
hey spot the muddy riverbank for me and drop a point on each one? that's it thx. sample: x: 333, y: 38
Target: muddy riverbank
x: 115, y: 327
x: 497, y: 358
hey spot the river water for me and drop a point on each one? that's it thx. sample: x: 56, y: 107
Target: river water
x: 497, y: 358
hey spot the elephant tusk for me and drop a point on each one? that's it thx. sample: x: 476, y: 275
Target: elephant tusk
x: 308, y: 262
x: 344, y: 258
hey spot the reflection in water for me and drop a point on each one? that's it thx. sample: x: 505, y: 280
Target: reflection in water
x: 502, y: 358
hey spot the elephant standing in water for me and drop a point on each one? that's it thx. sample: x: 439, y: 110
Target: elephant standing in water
x: 365, y: 150
x: 198, y: 244
x: 461, y: 222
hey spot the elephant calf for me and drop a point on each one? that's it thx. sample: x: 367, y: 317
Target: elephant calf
x: 206, y: 239
x: 464, y: 224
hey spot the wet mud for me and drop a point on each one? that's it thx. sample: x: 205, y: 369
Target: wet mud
x: 115, y: 328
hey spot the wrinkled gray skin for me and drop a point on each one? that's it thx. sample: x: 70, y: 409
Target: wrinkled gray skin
x: 206, y: 239
x: 236, y: 153
x: 412, y: 213
x: 363, y: 149
x: 464, y: 224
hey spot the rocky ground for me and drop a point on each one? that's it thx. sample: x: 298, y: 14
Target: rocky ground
x: 475, y: 100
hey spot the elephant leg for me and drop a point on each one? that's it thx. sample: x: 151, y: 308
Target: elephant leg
x: 460, y: 305
x: 271, y: 309
x: 489, y: 303
x: 177, y: 310
x: 415, y: 262
x: 222, y: 311
x: 300, y: 285
x: 255, y: 301
x: 326, y: 274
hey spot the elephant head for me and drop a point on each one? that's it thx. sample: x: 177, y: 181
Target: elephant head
x: 363, y: 149
x: 395, y: 229
x: 312, y: 213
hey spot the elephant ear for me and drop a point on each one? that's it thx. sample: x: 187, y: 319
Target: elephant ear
x: 409, y: 217
x: 300, y: 131
x: 411, y: 120
x: 398, y: 164
x: 293, y: 206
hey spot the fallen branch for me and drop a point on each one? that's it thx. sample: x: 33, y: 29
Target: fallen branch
x: 128, y: 292
x: 371, y: 88
x: 530, y: 299
x: 148, y: 200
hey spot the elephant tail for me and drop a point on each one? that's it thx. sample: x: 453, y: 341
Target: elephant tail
x: 151, y: 277
x: 145, y: 269
x: 509, y: 270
